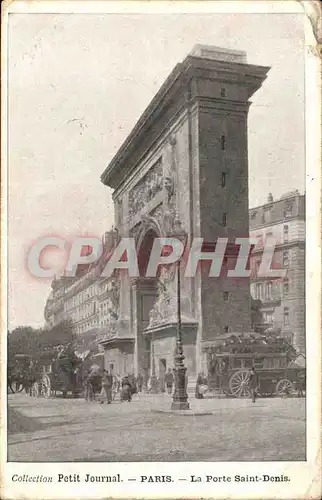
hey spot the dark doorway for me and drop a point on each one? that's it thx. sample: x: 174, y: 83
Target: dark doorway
x: 162, y: 367
x: 146, y: 298
x: 145, y: 251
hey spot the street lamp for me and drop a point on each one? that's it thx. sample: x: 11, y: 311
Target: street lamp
x: 180, y: 396
x: 153, y: 380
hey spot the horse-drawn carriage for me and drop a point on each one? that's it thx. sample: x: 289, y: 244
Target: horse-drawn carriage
x: 280, y: 370
x: 61, y: 373
x: 19, y: 373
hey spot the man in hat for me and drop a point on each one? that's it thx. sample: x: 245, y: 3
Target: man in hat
x: 253, y: 383
x: 107, y: 383
x: 169, y: 379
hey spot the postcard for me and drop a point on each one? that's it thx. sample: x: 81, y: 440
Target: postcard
x: 161, y: 250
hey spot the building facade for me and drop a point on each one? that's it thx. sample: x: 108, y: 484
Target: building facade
x: 282, y: 300
x: 88, y: 301
x: 184, y: 169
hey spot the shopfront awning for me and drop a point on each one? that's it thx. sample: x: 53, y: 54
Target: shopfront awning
x: 112, y: 341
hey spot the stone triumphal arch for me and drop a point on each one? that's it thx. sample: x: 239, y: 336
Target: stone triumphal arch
x: 184, y: 164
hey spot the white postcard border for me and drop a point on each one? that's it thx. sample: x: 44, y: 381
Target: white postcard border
x: 304, y: 476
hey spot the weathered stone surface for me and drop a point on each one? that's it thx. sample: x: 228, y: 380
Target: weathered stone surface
x: 170, y: 169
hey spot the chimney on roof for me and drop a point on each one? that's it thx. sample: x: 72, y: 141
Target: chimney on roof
x: 109, y: 238
x: 219, y: 53
x: 270, y: 198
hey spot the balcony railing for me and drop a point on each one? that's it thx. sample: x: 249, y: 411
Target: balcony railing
x: 272, y: 300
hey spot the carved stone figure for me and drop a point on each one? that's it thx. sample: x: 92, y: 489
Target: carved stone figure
x: 165, y: 308
x: 146, y: 189
x: 169, y: 188
x: 113, y: 290
x: 170, y: 176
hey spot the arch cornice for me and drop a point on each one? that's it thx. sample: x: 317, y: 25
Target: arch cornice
x: 147, y: 224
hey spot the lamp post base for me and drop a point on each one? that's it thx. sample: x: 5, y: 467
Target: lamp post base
x: 180, y: 405
x: 180, y: 396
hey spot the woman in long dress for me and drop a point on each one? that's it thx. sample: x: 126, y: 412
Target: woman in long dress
x: 126, y: 392
x: 201, y: 385
x: 116, y: 385
x: 106, y: 393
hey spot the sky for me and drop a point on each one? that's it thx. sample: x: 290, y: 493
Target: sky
x: 77, y: 85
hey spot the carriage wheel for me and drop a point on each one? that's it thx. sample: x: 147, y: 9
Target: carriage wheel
x: 46, y: 386
x: 17, y: 387
x: 238, y: 384
x: 284, y: 387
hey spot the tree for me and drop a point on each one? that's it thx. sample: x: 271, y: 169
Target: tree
x: 22, y: 340
x: 22, y: 348
x: 59, y: 335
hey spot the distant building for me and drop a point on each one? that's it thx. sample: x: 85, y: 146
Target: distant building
x: 283, y: 300
x: 87, y: 300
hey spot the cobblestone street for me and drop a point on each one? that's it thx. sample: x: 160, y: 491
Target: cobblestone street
x: 59, y: 429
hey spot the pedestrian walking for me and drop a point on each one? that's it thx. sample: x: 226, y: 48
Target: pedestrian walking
x: 89, y: 393
x: 201, y: 385
x: 96, y: 382
x: 132, y: 381
x: 161, y: 382
x: 253, y: 383
x: 126, y: 392
x: 107, y: 382
x: 116, y: 385
x: 300, y: 385
x: 139, y: 381
x: 169, y: 379
x: 145, y: 379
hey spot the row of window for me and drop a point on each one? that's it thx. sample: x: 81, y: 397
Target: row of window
x: 105, y: 287
x: 87, y: 326
x: 259, y: 363
x: 81, y: 297
x: 86, y: 309
x: 83, y: 305
x: 285, y: 262
x: 104, y: 307
x: 91, y: 324
x: 269, y: 290
x: 83, y: 311
x: 268, y: 316
x: 269, y: 236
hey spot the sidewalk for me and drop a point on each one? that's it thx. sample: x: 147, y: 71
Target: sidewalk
x: 162, y: 403
x: 57, y: 429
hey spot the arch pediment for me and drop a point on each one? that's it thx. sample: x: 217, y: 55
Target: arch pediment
x: 148, y: 224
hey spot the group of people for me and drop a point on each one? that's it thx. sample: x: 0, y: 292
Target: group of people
x: 106, y: 386
x: 161, y: 384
